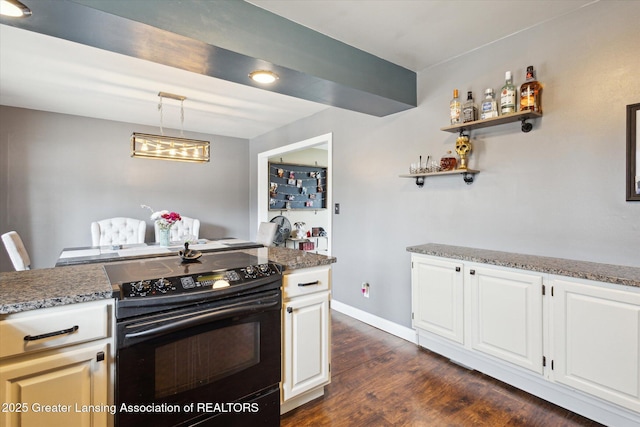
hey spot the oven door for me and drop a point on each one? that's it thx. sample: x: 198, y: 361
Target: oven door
x: 187, y: 366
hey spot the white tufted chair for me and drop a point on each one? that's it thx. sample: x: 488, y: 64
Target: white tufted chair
x: 117, y: 231
x: 185, y: 227
x: 17, y: 252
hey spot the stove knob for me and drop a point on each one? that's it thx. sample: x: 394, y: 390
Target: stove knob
x: 162, y: 285
x: 264, y: 268
x: 142, y: 287
x: 251, y: 270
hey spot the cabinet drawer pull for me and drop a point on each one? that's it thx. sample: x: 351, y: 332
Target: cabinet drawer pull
x: 51, y: 334
x: 457, y: 268
x: 289, y: 309
x: 472, y: 272
x: 317, y: 282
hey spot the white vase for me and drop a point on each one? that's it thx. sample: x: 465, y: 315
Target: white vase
x: 165, y: 234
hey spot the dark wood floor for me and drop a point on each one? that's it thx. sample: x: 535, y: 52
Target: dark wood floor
x: 381, y: 380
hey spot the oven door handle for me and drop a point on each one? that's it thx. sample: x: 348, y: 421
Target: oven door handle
x: 199, y: 320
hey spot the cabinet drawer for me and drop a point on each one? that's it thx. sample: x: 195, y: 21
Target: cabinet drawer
x: 54, y: 327
x: 306, y: 281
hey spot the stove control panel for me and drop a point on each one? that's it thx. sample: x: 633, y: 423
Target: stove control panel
x: 198, y: 281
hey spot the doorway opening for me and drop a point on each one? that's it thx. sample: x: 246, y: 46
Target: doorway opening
x: 315, y: 151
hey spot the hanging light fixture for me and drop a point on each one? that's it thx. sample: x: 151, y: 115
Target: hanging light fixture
x: 163, y: 147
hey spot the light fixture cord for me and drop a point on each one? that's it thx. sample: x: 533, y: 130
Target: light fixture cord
x: 182, y: 118
x: 160, y: 109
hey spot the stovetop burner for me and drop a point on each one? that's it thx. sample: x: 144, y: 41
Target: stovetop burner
x: 152, y: 285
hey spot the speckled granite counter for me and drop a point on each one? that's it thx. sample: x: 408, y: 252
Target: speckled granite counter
x: 618, y: 274
x: 49, y: 287
x: 292, y: 259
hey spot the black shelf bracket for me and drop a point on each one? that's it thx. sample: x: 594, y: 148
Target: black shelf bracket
x: 468, y: 178
x: 526, y: 126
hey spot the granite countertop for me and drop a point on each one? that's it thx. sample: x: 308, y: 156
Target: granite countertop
x: 609, y: 273
x: 49, y: 287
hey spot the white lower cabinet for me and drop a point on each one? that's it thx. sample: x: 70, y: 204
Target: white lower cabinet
x: 437, y: 297
x: 596, y: 341
x: 306, y: 336
x: 56, y: 366
x: 59, y: 389
x: 506, y: 315
x: 573, y: 342
x: 494, y: 311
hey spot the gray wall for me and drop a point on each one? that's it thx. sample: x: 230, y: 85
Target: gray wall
x: 58, y: 173
x: 557, y: 191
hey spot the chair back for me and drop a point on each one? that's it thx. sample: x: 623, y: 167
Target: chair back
x: 181, y: 229
x: 16, y: 250
x: 266, y: 233
x: 117, y: 231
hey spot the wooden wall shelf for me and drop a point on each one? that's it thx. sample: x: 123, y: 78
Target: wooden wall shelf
x: 521, y: 116
x: 467, y: 175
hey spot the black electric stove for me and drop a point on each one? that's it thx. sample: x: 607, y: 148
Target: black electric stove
x: 159, y: 284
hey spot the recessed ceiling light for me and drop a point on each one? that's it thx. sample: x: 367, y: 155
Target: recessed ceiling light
x: 263, y: 76
x: 14, y: 9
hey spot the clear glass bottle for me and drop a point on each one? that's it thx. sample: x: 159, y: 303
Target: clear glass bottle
x: 530, y: 93
x: 469, y: 109
x: 448, y: 162
x: 454, y: 108
x: 489, y: 107
x: 508, y: 95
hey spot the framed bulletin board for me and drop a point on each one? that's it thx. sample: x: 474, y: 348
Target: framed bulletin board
x: 297, y: 187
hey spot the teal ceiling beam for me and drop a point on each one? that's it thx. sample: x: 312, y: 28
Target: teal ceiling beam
x: 227, y: 40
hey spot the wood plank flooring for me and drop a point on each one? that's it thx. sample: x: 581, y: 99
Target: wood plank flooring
x: 381, y: 380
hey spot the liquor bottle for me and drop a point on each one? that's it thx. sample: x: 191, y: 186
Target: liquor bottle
x: 530, y: 92
x: 454, y: 107
x: 508, y: 95
x: 489, y: 107
x: 469, y: 109
x: 448, y: 162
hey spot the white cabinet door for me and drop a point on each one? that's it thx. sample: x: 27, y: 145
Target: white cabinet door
x: 506, y: 315
x: 54, y: 388
x: 596, y: 341
x: 306, y: 344
x: 437, y: 288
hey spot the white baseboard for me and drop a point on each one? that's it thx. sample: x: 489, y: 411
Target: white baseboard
x: 375, y: 321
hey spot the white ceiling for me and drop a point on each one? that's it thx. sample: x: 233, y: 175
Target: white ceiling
x: 45, y: 73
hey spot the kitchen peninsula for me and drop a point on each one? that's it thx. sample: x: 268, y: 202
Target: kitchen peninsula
x: 564, y: 330
x: 65, y: 321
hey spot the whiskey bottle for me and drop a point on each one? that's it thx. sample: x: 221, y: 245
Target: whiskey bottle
x: 469, y: 109
x: 508, y: 95
x: 448, y: 162
x: 489, y: 107
x: 454, y: 107
x: 530, y: 93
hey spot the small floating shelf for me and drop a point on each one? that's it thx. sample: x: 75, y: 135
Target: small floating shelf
x: 521, y: 116
x: 467, y: 175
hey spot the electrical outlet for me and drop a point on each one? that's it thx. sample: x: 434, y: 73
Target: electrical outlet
x: 365, y: 289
